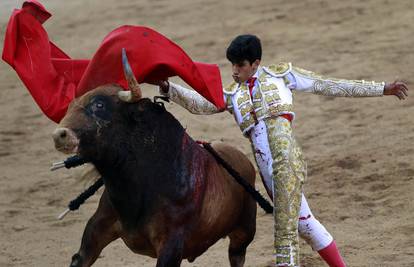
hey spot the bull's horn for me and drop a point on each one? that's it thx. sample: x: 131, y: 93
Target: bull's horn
x: 134, y: 94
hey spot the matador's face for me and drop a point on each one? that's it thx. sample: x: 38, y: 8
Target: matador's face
x: 244, y: 70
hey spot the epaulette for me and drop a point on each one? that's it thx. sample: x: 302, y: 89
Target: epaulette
x: 279, y: 70
x: 230, y: 89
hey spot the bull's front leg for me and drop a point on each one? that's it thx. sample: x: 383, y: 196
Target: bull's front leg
x: 100, y: 230
x: 170, y: 252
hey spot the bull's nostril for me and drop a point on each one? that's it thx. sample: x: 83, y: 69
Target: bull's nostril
x: 65, y: 140
x: 63, y: 134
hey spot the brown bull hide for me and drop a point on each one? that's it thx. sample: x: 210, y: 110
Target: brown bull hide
x: 165, y: 196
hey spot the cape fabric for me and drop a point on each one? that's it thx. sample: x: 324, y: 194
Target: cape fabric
x: 54, y: 79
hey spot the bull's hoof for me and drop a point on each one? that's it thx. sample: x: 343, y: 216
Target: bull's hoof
x: 76, y: 261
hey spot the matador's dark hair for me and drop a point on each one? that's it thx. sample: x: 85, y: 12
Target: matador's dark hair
x: 244, y: 47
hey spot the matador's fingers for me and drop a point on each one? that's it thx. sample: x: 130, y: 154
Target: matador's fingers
x: 402, y: 84
x: 405, y: 91
x: 400, y: 95
x: 402, y: 87
x: 405, y: 87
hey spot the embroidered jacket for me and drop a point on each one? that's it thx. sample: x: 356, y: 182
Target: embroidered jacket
x: 272, y: 93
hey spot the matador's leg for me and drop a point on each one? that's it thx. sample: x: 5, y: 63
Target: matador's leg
x: 289, y: 172
x: 309, y: 227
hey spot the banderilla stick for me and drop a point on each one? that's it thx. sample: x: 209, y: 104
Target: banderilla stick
x: 71, y: 162
x: 79, y: 200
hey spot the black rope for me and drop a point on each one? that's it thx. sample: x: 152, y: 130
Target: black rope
x: 263, y: 203
x: 79, y: 200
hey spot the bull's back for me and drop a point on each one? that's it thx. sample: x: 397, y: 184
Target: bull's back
x: 224, y: 200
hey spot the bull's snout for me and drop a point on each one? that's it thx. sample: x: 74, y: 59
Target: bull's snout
x: 65, y: 140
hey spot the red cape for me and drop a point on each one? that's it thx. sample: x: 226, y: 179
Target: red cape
x: 54, y: 79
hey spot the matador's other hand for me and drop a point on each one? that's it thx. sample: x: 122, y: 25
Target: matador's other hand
x: 397, y: 88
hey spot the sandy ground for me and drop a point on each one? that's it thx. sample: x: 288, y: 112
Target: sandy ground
x: 359, y: 151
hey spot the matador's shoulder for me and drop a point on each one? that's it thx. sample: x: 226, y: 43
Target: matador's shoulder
x: 230, y: 89
x: 278, y: 70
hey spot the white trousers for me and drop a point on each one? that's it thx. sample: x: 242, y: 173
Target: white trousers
x: 309, y: 227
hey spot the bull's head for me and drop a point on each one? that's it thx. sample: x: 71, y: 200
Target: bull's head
x: 91, y: 115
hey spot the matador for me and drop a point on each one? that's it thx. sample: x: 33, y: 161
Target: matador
x: 261, y: 101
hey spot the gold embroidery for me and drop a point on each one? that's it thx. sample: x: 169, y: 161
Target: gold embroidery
x: 261, y: 114
x: 263, y: 77
x: 231, y: 88
x: 259, y: 110
x: 270, y: 87
x: 247, y: 122
x: 272, y: 99
x: 257, y: 96
x: 329, y: 88
x: 279, y: 109
x: 245, y: 110
x: 280, y: 68
x: 243, y: 98
x: 307, y: 73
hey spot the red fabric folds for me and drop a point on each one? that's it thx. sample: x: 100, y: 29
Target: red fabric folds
x: 54, y: 79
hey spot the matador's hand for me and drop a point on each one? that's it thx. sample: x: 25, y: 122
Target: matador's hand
x: 397, y: 88
x: 164, y: 85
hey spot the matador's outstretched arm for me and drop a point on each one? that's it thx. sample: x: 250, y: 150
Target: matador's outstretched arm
x: 308, y: 81
x: 189, y: 99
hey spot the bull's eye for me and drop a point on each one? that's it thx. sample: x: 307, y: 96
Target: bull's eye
x: 97, y: 106
x: 100, y: 107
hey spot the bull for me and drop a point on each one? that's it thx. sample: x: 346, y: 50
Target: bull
x: 165, y: 196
